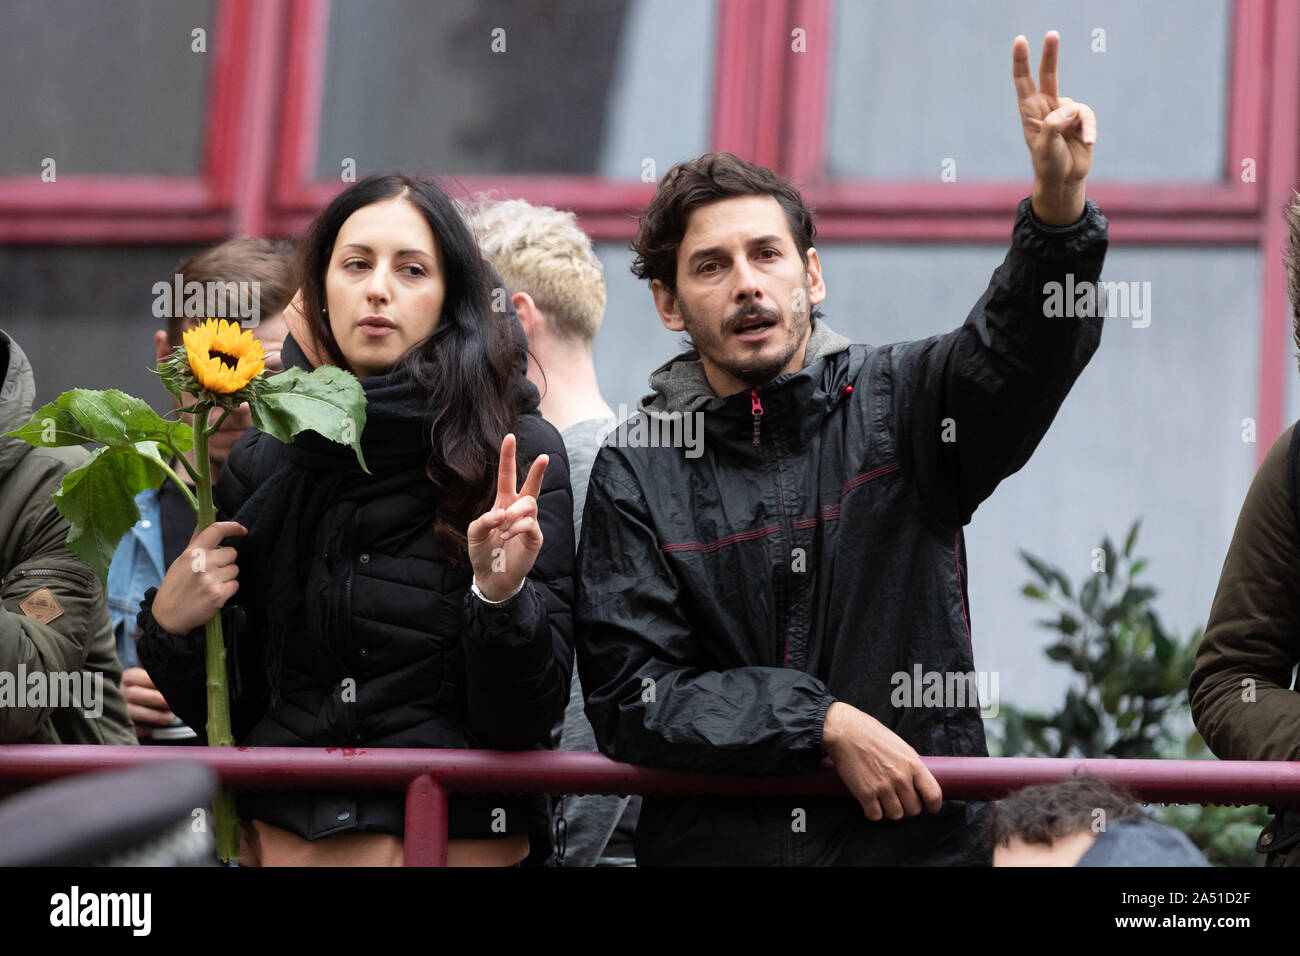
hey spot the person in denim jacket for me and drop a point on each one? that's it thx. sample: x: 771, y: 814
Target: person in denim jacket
x: 166, y: 519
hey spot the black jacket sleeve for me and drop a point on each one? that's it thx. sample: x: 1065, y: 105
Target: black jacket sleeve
x: 177, y: 665
x: 519, y: 654
x: 649, y: 700
x: 971, y: 406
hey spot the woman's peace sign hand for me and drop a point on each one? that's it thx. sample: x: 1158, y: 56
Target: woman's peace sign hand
x: 504, y: 542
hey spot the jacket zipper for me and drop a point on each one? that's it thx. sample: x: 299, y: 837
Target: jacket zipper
x: 80, y: 578
x: 756, y: 406
x: 786, y: 848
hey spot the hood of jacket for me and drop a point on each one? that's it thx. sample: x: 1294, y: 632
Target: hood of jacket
x: 793, y: 405
x: 17, y: 395
x: 1142, y: 842
x: 680, y: 385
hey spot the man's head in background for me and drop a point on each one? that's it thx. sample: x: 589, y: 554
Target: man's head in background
x: 727, y: 246
x: 241, y: 260
x: 1083, y: 821
x: 550, y: 270
x: 1055, y: 824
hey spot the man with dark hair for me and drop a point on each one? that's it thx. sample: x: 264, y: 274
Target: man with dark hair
x: 1241, y: 687
x: 1083, y: 821
x: 743, y: 604
x: 167, y: 520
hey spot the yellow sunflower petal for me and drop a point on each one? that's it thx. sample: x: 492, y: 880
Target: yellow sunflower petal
x: 239, y: 360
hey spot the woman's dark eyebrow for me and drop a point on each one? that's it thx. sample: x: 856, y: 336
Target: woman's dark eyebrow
x: 401, y: 252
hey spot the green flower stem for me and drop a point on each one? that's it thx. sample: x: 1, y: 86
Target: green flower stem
x: 226, y: 823
x: 189, y: 469
x: 220, y: 421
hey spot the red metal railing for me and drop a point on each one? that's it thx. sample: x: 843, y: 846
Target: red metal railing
x: 427, y: 776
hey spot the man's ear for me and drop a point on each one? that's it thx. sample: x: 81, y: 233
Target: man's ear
x: 816, y: 284
x: 161, y: 345
x: 530, y: 317
x: 670, y: 313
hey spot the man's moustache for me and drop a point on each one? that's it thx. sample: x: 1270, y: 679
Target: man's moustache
x: 749, y: 314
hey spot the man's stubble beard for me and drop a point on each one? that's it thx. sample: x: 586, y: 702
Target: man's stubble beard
x: 752, y: 376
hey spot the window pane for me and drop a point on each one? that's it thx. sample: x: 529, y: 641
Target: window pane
x: 112, y: 88
x: 582, y: 87
x: 918, y: 82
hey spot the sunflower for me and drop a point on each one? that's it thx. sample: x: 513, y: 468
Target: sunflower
x: 223, y: 357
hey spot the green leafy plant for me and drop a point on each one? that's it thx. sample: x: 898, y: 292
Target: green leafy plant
x: 219, y: 367
x: 1129, y: 693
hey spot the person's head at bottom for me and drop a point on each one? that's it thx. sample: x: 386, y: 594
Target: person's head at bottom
x: 1083, y: 821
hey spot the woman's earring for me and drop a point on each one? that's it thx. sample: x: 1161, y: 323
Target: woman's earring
x: 324, y: 310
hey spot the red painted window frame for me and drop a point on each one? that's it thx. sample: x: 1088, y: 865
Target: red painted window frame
x: 259, y: 146
x: 931, y: 211
x: 263, y: 118
x: 221, y: 200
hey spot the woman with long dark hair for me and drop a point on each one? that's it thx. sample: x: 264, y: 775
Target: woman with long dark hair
x: 426, y: 604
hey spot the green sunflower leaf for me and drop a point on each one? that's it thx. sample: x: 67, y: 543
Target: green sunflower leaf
x: 328, y: 400
x: 98, y: 499
x: 112, y: 418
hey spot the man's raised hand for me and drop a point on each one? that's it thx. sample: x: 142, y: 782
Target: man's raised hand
x: 504, y: 542
x: 1059, y: 132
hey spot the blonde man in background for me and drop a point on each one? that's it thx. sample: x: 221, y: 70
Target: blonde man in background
x: 557, y: 287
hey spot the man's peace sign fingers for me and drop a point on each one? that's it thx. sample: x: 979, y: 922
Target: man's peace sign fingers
x: 1047, y: 65
x: 1020, y: 68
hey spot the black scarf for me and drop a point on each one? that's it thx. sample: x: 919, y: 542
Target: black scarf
x: 284, y: 514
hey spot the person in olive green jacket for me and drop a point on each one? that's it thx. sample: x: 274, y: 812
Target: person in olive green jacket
x: 1240, y: 689
x: 60, y: 680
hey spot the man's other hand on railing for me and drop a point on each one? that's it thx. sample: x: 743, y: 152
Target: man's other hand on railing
x: 880, y: 769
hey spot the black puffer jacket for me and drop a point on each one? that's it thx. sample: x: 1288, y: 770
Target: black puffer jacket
x: 429, y: 664
x: 811, y: 551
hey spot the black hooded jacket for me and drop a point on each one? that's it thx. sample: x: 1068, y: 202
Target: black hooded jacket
x: 810, y: 550
x: 392, y: 650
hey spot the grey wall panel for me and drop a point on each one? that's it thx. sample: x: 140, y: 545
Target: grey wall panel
x: 914, y: 82
x: 632, y: 341
x: 84, y: 315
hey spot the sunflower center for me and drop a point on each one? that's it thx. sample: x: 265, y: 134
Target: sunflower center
x: 226, y: 358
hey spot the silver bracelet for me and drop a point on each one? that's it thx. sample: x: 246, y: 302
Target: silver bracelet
x: 473, y: 586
